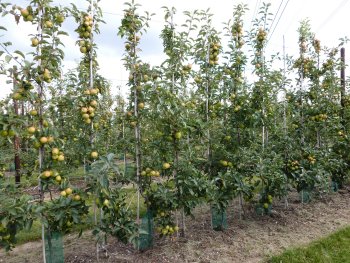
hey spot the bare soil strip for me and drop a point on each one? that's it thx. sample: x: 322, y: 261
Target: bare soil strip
x: 252, y: 239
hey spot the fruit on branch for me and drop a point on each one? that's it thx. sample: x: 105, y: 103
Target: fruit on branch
x: 35, y: 42
x: 186, y: 69
x: 237, y: 108
x: 87, y: 121
x: 293, y: 165
x: 93, y: 103
x: 17, y: 96
x: 83, y: 50
x: 58, y: 178
x: 11, y: 133
x: 48, y: 24
x: 85, y: 27
x: 94, y: 91
x: 43, y: 140
x: 178, y: 135
x: 141, y: 105
x: 198, y: 79
x: 94, y: 154
x: 33, y: 112
x: 55, y: 151
x: 59, y: 18
x: 341, y: 133
x: 47, y: 174
x: 45, y: 123
x: 224, y: 163
x: 24, y: 12
x: 145, y: 78
x: 27, y: 14
x: 166, y: 166
x: 106, y: 202
x: 31, y: 129
x: 69, y: 191
x: 269, y: 198
x: 261, y: 36
x: 311, y: 159
x: 214, y: 54
x: 227, y: 138
x: 46, y: 76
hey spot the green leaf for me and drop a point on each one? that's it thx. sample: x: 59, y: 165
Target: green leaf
x: 5, y: 221
x: 62, y: 33
x: 19, y: 53
x: 39, y: 209
x: 8, y: 58
x: 28, y: 225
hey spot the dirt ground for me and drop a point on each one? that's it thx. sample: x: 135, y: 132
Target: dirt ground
x: 252, y: 239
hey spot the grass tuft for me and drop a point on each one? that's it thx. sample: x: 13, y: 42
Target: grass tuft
x: 332, y: 249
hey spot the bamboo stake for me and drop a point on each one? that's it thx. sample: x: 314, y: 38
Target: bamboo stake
x: 92, y: 139
x: 207, y: 104
x: 137, y: 139
x: 16, y: 144
x: 284, y: 112
x: 342, y: 86
x: 41, y: 149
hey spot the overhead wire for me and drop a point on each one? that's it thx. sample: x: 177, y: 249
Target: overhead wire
x: 335, y: 11
x: 278, y: 21
x: 278, y: 10
x: 257, y: 6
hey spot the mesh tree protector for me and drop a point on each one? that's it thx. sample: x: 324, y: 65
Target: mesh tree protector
x: 145, y: 239
x: 54, y: 247
x: 218, y: 219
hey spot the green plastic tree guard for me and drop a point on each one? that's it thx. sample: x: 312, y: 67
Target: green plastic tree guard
x: 54, y: 247
x: 218, y: 219
x: 145, y: 239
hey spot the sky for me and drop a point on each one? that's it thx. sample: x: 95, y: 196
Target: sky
x: 330, y: 21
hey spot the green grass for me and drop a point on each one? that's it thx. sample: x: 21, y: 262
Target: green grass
x: 25, y: 181
x: 33, y: 234
x: 332, y: 249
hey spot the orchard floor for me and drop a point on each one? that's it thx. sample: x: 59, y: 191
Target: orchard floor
x: 252, y: 239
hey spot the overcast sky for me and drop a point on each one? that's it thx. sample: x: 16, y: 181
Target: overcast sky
x: 330, y: 21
